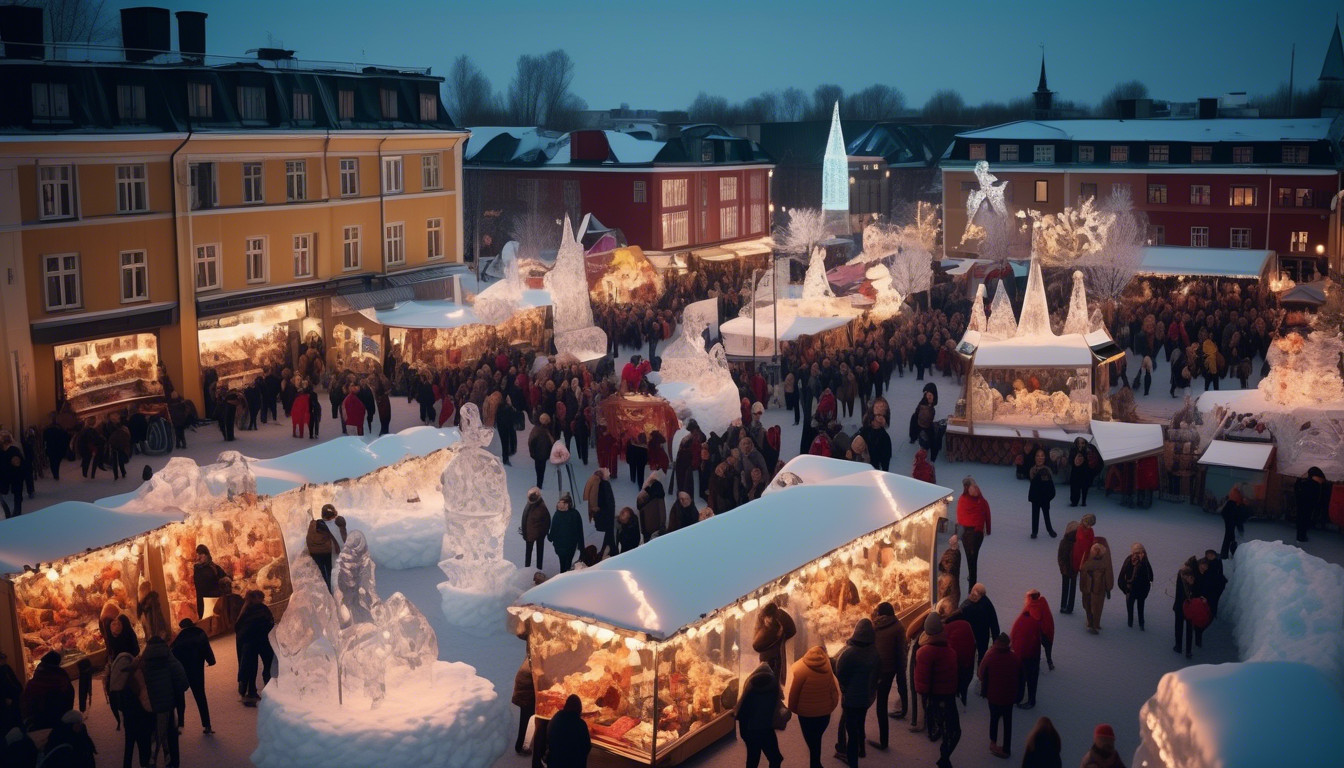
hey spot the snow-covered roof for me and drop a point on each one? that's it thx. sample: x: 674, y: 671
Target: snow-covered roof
x: 444, y: 314
x: 1221, y: 129
x: 652, y: 590
x: 631, y: 150
x: 1120, y: 441
x: 737, y: 332
x: 1026, y: 351
x: 1172, y: 260
x: 1227, y: 453
x: 68, y: 528
x: 1305, y: 293
x: 527, y: 136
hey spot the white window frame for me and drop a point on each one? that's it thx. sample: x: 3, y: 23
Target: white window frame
x: 1243, y: 155
x: 56, y: 192
x: 135, y: 273
x: 728, y: 216
x: 296, y: 181
x: 345, y: 104
x: 431, y: 171
x: 304, y: 254
x: 1239, y: 238
x: 674, y: 193
x: 1157, y: 234
x: 349, y: 173
x: 256, y: 259
x: 1119, y: 153
x: 352, y: 247
x: 976, y: 151
x: 254, y: 183
x: 1199, y: 237
x: 1159, y: 154
x: 132, y: 188
x: 429, y: 108
x: 61, y: 266
x: 1201, y: 194
x: 1297, y: 241
x: 51, y: 102
x: 387, y: 103
x: 1295, y: 154
x: 131, y: 103
x: 640, y: 192
x: 1042, y: 191
x: 394, y: 244
x: 206, y: 264
x: 1087, y: 153
x: 251, y: 103
x: 200, y: 100
x: 1008, y: 153
x: 1233, y: 196
x: 727, y: 188
x: 434, y: 238
x: 1201, y: 153
x: 1161, y: 189
x: 394, y: 179
x: 1043, y: 154
x: 676, y: 227
x: 303, y: 106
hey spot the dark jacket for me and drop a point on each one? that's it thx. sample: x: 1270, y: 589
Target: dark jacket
x: 1136, y: 581
x: 605, y: 517
x: 858, y: 666
x: 193, y: 651
x: 682, y: 516
x: 761, y: 697
x: 1064, y: 553
x: 889, y: 640
x: 536, y: 521
x: 206, y: 577
x: 984, y: 621
x: 771, y: 635
x: 1042, y: 488
x: 165, y: 679
x: 627, y: 533
x: 47, y: 696
x: 567, y: 741
x: 1001, y: 671
x: 539, y: 443
x: 524, y: 688
x: 254, y: 625
x: 319, y: 538
x: 69, y: 748
x: 653, y: 508
x: 566, y: 532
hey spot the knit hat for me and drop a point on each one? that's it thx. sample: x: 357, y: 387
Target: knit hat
x: 1104, y: 731
x: 757, y: 407
x: 933, y: 624
x: 533, y: 493
x: 885, y: 609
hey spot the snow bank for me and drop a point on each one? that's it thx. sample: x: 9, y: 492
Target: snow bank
x: 401, y: 534
x: 1287, y: 605
x: 445, y: 717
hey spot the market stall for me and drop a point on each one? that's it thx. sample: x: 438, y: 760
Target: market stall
x: 657, y: 651
x: 621, y: 417
x: 742, y: 338
x: 109, y: 372
x: 241, y: 347
x: 623, y: 276
x: 1129, y: 452
x: 438, y: 334
x: 1226, y: 463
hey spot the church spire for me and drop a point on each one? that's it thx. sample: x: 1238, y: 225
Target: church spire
x: 1333, y: 68
x: 1040, y: 87
x: 1044, y: 96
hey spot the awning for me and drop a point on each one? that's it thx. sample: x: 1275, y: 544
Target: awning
x: 1172, y: 261
x: 1311, y: 294
x: 737, y: 333
x: 69, y: 527
x: 439, y: 272
x: 714, y: 254
x: 1120, y: 441
x: 96, y: 325
x: 1103, y: 346
x: 1238, y: 455
x: 355, y: 299
x: 760, y: 247
x: 1069, y: 350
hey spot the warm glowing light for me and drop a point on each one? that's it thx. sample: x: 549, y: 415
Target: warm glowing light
x: 537, y: 617
x: 750, y: 605
x: 52, y: 575
x: 605, y: 635
x: 834, y: 168
x: 633, y: 644
x: 1320, y: 249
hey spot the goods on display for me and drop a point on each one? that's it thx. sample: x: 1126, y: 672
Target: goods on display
x: 105, y: 372
x: 241, y: 347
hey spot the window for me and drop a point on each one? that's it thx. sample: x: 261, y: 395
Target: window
x: 394, y: 244
x: 434, y: 239
x: 1241, y: 197
x: 56, y: 187
x: 1201, y: 153
x: 131, y: 103
x: 51, y: 101
x: 350, y: 248
x: 1284, y: 198
x: 254, y: 259
x: 132, y: 189
x: 641, y: 192
x: 1157, y: 234
x: 1199, y: 237
x: 251, y: 103
x: 349, y: 176
x: 976, y: 152
x: 202, y: 186
x: 728, y: 221
x: 1159, y: 153
x: 757, y: 187
x: 1120, y: 154
x: 1297, y: 242
x: 1043, y: 154
x: 429, y: 171
x: 1303, y: 197
x: 303, y: 255
x: 676, y: 229
x: 392, y: 176
x: 1042, y: 191
x: 1157, y: 194
x: 706, y: 152
x: 1240, y: 238
x: 757, y: 217
x: 207, y: 267
x: 303, y: 106
x: 1007, y: 153
x: 429, y: 108
x: 62, y: 280
x: 1295, y: 154
x: 387, y: 99
x: 727, y: 188
x: 296, y: 180
x: 674, y: 194
x: 1087, y: 154
x: 252, y: 184
x: 134, y: 277
x: 1087, y: 190
x: 1200, y: 194
x: 345, y: 105
x: 199, y: 103
x: 1243, y: 155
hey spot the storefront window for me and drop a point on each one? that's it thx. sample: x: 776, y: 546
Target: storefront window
x: 105, y: 372
x: 242, y: 347
x: 1031, y: 396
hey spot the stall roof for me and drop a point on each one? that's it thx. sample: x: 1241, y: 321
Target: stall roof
x: 444, y: 314
x: 1026, y: 351
x: 737, y: 334
x: 1120, y: 441
x: 650, y: 589
x: 1227, y: 453
x: 761, y: 246
x: 1168, y: 260
x: 1305, y: 293
x: 69, y: 528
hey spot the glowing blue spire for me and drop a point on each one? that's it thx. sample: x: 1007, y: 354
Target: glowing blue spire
x: 835, y: 169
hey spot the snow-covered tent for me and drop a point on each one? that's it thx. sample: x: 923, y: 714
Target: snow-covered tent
x: 643, y: 627
x: 1176, y: 261
x: 438, y: 334
x: 739, y: 341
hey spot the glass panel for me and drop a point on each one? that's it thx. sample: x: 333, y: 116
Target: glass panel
x: 1031, y: 396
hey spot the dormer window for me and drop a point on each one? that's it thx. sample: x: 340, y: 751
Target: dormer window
x: 303, y: 106
x: 251, y: 103
x: 131, y: 103
x: 51, y: 102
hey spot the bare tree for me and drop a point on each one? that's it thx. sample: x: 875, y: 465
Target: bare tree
x: 526, y: 90
x: 1110, y: 103
x: 805, y: 229
x: 792, y: 105
x: 470, y: 99
x: 556, y: 100
x: 876, y: 102
x: 1110, y: 268
x: 708, y: 109
x: 823, y: 98
x: 945, y: 106
x: 535, y: 233
x: 77, y: 21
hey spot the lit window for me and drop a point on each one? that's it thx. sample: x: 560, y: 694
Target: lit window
x: 1243, y: 155
x: 303, y: 106
x: 728, y: 221
x: 1295, y: 154
x: 199, y: 103
x: 1199, y: 237
x: 1087, y: 154
x: 345, y: 105
x: 1297, y: 242
x: 727, y: 188
x: 1200, y: 194
x: 254, y: 259
x: 976, y: 152
x: 207, y: 266
x: 131, y: 103
x: 1120, y: 154
x: 251, y: 103
x: 1241, y: 197
x: 349, y: 176
x: 1201, y: 153
x: 641, y: 192
x: 394, y: 244
x: 674, y: 193
x: 56, y: 188
x: 350, y: 248
x: 676, y: 229
x: 1303, y: 197
x: 429, y: 171
x: 1157, y: 194
x: 387, y: 99
x: 429, y: 108
x: 1043, y: 154
x: 434, y: 239
x: 253, y: 189
x: 51, y: 101
x: 758, y: 186
x: 1007, y: 153
x: 392, y: 175
x: 303, y: 255
x: 296, y: 180
x: 1159, y: 153
x: 1284, y: 198
x: 1042, y: 191
x: 134, y: 277
x: 757, y: 217
x: 61, y: 273
x: 1240, y: 238
x: 132, y: 189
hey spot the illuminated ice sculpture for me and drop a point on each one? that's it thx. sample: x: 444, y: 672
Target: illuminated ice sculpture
x: 835, y: 178
x: 991, y: 191
x: 575, y: 333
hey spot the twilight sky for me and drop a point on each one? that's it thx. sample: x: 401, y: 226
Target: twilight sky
x: 660, y: 59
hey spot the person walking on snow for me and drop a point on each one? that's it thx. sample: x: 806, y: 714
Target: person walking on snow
x: 979, y: 611
x: 755, y: 715
x: 1095, y: 580
x: 973, y: 524
x: 1135, y: 580
x: 813, y: 696
x: 1068, y: 573
x: 856, y: 670
x: 889, y: 640
x: 1001, y: 676
x: 534, y: 527
x: 1040, y: 492
x: 936, y: 678
x: 1032, y: 632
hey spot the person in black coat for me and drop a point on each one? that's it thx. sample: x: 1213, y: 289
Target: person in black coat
x: 755, y: 715
x: 270, y: 394
x: 56, y: 444
x: 879, y: 443
x: 1040, y: 492
x: 424, y: 396
x: 604, y: 518
x: 1312, y: 495
x: 1136, y: 580
x: 566, y: 533
x: 192, y: 649
x: 252, y: 630
x: 1079, y: 476
x: 979, y: 612
x: 205, y: 576
x: 506, y: 423
x: 567, y: 740
x: 365, y: 395
x: 1209, y: 579
x: 627, y: 529
x: 1234, y: 514
x: 252, y: 395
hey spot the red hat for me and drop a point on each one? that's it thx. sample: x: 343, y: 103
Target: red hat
x: 1104, y: 730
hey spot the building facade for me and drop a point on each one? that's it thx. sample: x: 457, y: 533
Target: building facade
x: 198, y: 221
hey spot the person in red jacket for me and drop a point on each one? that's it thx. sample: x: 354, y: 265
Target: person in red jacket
x: 298, y: 414
x: 1001, y: 676
x: 1083, y: 540
x: 922, y: 469
x: 353, y: 409
x: 936, y: 678
x: 1033, y: 632
x: 821, y: 445
x: 973, y: 524
x: 961, y: 638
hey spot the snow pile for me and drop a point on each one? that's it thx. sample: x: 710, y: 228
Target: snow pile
x: 1287, y: 605
x: 1304, y: 370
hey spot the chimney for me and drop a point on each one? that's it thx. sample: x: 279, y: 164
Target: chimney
x: 21, y: 31
x: 191, y: 36
x: 1207, y: 109
x: 146, y: 32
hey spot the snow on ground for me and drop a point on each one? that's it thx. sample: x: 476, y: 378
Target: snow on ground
x: 1103, y: 678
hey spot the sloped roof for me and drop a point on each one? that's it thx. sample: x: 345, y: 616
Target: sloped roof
x: 1333, y: 67
x: 1221, y: 129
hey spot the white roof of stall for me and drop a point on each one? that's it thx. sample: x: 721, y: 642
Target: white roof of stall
x: 1227, y: 453
x: 444, y: 314
x: 70, y: 528
x: 651, y: 590
x: 1120, y: 441
x: 1040, y: 351
x: 737, y: 331
x: 1171, y: 260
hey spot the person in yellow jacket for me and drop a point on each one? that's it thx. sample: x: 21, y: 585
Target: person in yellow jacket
x: 813, y: 695
x: 1213, y: 363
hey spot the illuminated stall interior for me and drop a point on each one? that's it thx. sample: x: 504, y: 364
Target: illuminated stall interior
x: 657, y: 651
x: 240, y: 347
x: 105, y: 372
x: 439, y: 334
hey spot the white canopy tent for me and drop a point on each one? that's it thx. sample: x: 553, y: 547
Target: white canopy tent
x: 443, y: 314
x: 71, y: 526
x: 1028, y: 351
x: 1121, y: 441
x: 1238, y: 455
x: 738, y: 338
x: 1174, y: 261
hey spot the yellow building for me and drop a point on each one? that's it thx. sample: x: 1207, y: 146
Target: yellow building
x: 214, y: 219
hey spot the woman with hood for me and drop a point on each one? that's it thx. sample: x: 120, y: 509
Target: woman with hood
x: 890, y: 641
x: 1136, y: 579
x: 683, y: 514
x: 1079, y: 476
x: 1095, y: 580
x: 1033, y: 632
x: 566, y: 533
x: 856, y: 670
x: 973, y: 524
x: 755, y: 715
x: 1040, y: 492
x: 813, y: 696
x: 774, y: 628
x: 627, y: 529
x: 1043, y: 746
x: 567, y: 739
x: 652, y: 507
x: 658, y: 458
x: 922, y: 469
x: 534, y: 527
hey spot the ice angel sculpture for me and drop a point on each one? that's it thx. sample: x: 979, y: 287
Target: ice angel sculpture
x: 815, y: 284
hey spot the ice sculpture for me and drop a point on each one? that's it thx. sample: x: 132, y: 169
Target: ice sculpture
x: 1002, y: 324
x: 978, y: 321
x: 835, y: 172
x: 697, y: 383
x: 888, y: 303
x: 179, y: 485
x: 571, y: 303
x: 307, y: 637
x: 1078, y: 320
x: 230, y: 476
x: 991, y: 191
x: 500, y: 301
x: 815, y: 284
x: 1304, y: 370
x: 476, y: 511
x: 1035, y: 317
